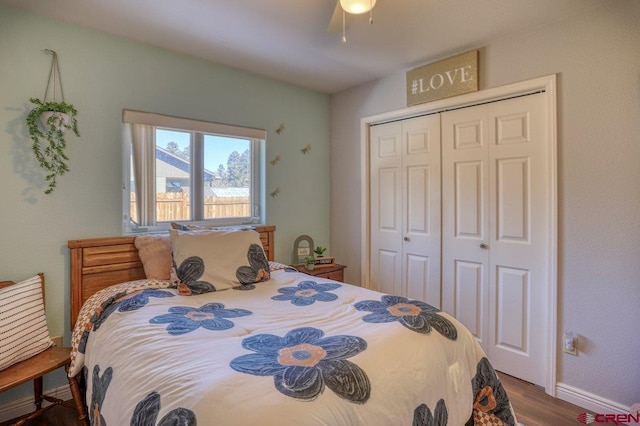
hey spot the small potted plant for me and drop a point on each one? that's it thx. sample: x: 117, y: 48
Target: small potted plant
x: 319, y: 251
x: 309, y: 263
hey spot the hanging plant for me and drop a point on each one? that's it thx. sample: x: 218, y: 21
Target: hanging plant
x: 47, y: 124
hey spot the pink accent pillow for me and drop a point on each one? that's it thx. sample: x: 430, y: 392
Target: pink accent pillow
x: 155, y: 255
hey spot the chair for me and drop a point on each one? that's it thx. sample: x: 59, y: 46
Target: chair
x: 35, y: 368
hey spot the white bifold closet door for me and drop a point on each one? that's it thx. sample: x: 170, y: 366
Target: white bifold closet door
x: 495, y: 229
x: 405, y: 208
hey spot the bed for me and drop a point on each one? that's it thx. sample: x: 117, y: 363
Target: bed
x: 284, y: 348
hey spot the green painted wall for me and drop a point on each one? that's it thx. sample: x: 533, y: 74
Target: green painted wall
x: 103, y: 74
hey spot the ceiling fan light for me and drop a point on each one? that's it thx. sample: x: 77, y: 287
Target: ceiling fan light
x: 357, y: 7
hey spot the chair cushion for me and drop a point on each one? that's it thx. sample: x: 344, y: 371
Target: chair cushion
x: 23, y: 325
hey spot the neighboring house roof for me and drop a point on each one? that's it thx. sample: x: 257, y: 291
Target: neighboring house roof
x: 180, y: 164
x: 226, y: 192
x: 222, y: 192
x: 175, y: 167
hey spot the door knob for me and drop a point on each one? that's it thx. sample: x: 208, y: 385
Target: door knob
x: 484, y: 246
x: 407, y: 239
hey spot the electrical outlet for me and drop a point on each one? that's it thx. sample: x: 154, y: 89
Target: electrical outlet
x: 57, y: 340
x: 570, y: 343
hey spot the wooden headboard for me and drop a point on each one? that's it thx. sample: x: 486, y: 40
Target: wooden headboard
x: 97, y: 263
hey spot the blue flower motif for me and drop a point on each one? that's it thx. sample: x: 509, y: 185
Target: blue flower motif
x: 307, y: 293
x: 258, y: 269
x: 413, y: 314
x: 138, y: 300
x: 422, y: 415
x: 189, y: 273
x: 184, y: 319
x: 123, y: 302
x: 147, y: 410
x: 303, y: 362
x: 245, y: 287
x: 100, y: 386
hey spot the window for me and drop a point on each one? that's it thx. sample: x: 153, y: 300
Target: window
x: 184, y: 170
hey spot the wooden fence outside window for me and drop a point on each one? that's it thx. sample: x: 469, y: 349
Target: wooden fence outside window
x: 172, y: 206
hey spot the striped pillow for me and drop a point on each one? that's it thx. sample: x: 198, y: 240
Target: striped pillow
x: 23, y: 325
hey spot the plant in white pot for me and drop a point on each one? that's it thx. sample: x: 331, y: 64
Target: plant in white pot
x: 309, y: 262
x: 47, y: 123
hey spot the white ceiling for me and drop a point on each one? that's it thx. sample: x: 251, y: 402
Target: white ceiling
x: 288, y: 39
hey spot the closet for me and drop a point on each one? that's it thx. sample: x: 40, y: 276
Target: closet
x: 460, y: 217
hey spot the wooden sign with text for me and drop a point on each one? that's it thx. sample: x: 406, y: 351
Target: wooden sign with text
x: 443, y: 79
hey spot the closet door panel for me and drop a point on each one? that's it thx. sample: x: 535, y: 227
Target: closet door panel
x: 518, y: 209
x: 417, y: 272
x: 386, y: 208
x: 512, y: 199
x: 418, y: 200
x: 389, y: 219
x: 405, y: 208
x: 468, y: 192
x: 469, y: 282
x: 421, y: 219
x: 465, y: 222
x: 495, y: 239
x: 512, y: 310
x: 388, y: 268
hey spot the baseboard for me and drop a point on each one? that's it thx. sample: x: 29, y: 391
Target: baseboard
x: 22, y: 406
x: 594, y: 403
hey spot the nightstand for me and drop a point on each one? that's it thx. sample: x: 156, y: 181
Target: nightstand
x: 333, y: 272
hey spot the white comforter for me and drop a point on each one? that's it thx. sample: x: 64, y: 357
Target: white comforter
x: 295, y: 350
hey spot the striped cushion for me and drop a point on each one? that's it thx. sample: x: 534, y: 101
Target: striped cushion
x: 23, y: 325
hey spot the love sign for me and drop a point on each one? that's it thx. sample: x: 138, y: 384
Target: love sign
x: 449, y: 77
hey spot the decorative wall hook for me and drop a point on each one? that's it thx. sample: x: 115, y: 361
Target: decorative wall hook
x: 275, y: 160
x: 306, y: 149
x: 275, y: 192
x: 54, y: 75
x: 280, y: 129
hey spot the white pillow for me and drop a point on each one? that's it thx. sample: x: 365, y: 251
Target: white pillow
x: 23, y: 325
x: 216, y: 260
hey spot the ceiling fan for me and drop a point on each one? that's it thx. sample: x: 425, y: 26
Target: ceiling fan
x: 353, y: 7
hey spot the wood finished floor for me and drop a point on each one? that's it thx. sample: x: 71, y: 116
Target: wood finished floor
x: 532, y: 406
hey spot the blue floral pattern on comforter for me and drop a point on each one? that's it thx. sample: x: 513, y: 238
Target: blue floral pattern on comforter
x: 413, y: 314
x: 304, y: 361
x: 291, y: 351
x: 212, y: 316
x: 307, y: 293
